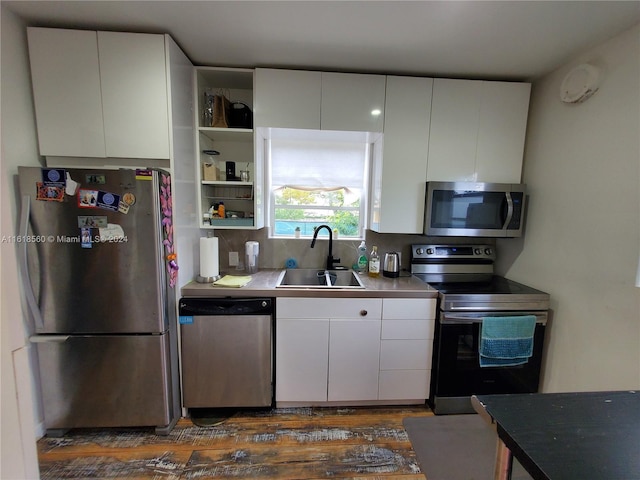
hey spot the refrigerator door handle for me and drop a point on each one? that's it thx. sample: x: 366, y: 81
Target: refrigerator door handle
x: 48, y: 338
x: 32, y: 303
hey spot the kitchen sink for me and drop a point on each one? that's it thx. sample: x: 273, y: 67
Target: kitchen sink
x: 314, y: 278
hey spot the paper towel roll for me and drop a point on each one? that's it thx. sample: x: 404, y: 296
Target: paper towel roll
x: 209, y: 265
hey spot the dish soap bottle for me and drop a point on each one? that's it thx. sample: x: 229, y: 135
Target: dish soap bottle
x: 362, y: 258
x: 374, y: 263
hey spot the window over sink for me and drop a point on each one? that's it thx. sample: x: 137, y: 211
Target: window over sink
x: 315, y: 178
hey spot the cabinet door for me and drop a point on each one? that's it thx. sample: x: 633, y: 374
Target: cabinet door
x: 66, y: 88
x: 302, y: 360
x: 354, y: 359
x: 453, y: 139
x: 350, y: 102
x: 503, y: 123
x: 399, y: 180
x: 287, y: 99
x: 134, y: 94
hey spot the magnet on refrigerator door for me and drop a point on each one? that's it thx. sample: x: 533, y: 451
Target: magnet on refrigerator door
x: 49, y: 193
x: 92, y: 221
x: 54, y: 177
x: 85, y: 237
x: 71, y: 186
x: 108, y: 201
x: 87, y: 198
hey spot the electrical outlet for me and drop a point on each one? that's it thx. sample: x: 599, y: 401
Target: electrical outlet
x: 233, y: 259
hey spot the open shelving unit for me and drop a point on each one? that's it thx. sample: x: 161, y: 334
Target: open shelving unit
x: 242, y: 200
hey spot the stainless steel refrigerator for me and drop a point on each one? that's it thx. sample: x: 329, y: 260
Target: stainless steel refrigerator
x: 99, y: 272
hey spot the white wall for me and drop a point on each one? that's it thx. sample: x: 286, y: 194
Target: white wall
x: 19, y: 147
x: 582, y: 168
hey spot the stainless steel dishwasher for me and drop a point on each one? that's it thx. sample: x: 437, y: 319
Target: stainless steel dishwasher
x: 227, y: 352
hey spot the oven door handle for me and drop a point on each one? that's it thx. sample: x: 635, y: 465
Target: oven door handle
x: 449, y: 319
x: 457, y: 319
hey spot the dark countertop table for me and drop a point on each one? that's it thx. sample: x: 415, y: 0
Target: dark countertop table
x: 566, y: 436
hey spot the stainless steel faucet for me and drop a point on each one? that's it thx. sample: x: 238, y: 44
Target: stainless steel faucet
x: 330, y: 260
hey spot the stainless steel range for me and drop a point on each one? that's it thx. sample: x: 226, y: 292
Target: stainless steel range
x: 468, y: 292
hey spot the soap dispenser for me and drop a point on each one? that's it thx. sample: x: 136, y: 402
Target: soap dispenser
x: 362, y: 258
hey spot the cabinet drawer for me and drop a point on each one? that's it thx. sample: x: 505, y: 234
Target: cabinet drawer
x: 407, y: 308
x: 329, y: 308
x: 404, y: 384
x: 407, y: 329
x: 405, y: 354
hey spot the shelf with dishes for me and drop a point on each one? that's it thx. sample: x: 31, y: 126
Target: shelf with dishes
x: 237, y: 198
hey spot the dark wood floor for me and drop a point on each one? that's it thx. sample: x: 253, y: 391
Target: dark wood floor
x: 303, y: 443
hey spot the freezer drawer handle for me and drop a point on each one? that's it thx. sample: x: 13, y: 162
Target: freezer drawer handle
x: 25, y: 211
x: 48, y: 338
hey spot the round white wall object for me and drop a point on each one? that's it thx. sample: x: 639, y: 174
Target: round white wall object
x: 580, y: 83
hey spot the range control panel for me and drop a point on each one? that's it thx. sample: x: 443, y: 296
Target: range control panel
x: 450, y: 252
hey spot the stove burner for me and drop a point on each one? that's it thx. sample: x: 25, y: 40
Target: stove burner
x: 495, y: 285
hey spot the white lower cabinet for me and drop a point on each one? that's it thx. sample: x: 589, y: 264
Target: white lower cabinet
x: 353, y: 349
x: 405, y: 348
x: 302, y: 352
x: 327, y: 349
x: 354, y: 355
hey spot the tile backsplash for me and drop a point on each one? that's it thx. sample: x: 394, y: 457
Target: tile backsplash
x: 275, y: 252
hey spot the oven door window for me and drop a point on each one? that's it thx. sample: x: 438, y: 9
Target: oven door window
x: 458, y: 365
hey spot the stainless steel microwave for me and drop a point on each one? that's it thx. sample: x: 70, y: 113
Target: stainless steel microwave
x: 474, y: 209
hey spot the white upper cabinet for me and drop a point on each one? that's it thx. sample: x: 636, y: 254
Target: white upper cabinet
x: 66, y: 87
x: 134, y: 94
x: 100, y: 94
x: 319, y: 100
x: 287, y: 98
x: 501, y: 132
x: 400, y: 172
x: 477, y: 130
x: 352, y: 102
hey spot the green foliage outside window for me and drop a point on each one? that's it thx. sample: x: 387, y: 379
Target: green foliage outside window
x: 310, y: 208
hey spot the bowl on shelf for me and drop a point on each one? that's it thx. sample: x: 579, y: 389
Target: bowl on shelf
x: 234, y: 214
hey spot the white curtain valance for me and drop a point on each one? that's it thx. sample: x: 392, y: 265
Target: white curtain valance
x: 318, y: 164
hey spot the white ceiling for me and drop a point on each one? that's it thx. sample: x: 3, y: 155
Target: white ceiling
x: 511, y: 40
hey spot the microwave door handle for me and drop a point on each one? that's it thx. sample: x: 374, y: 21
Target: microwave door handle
x: 30, y: 296
x: 509, y: 210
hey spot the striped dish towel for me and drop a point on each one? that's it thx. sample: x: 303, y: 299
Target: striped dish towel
x: 506, y: 341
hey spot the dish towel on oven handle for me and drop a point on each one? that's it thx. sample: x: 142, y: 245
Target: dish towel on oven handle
x: 506, y: 341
